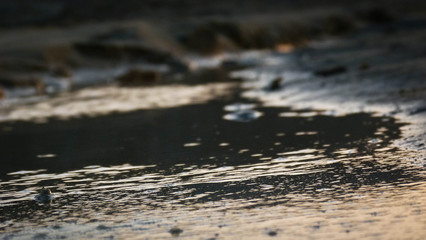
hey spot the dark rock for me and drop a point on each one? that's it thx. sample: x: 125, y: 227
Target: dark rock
x: 275, y: 84
x: 326, y: 72
x: 103, y: 227
x: 56, y: 227
x: 272, y: 233
x: 44, y: 195
x: 175, y: 231
x: 45, y: 191
x: 136, y: 77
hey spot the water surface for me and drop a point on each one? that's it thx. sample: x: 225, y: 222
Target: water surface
x: 284, y: 173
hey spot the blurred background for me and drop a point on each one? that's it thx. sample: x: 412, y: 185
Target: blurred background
x: 49, y: 46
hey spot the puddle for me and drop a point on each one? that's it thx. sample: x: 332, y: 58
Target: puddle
x: 147, y: 172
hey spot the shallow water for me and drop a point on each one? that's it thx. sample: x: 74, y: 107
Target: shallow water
x: 285, y: 173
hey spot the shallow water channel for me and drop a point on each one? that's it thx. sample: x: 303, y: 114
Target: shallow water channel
x: 224, y: 169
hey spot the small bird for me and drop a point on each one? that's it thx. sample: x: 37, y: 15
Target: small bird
x: 44, y: 195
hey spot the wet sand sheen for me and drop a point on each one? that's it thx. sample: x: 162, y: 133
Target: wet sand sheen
x: 139, y: 174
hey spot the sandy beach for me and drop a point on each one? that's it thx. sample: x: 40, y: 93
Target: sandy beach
x: 225, y: 120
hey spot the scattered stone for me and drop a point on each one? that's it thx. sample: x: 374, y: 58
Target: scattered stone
x: 103, y: 227
x: 175, y: 231
x: 44, y: 195
x: 56, y: 227
x: 272, y: 233
x: 45, y: 191
x: 326, y: 72
x: 275, y: 84
x: 137, y: 77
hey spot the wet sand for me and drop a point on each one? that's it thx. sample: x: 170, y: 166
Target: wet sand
x: 319, y: 137
x: 139, y: 174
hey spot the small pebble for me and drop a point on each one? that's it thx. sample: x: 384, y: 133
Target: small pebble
x: 175, y: 231
x: 102, y: 227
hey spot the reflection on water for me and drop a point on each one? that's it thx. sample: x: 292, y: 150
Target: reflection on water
x: 136, y: 175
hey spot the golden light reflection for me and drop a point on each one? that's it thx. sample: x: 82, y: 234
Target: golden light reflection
x: 105, y: 100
